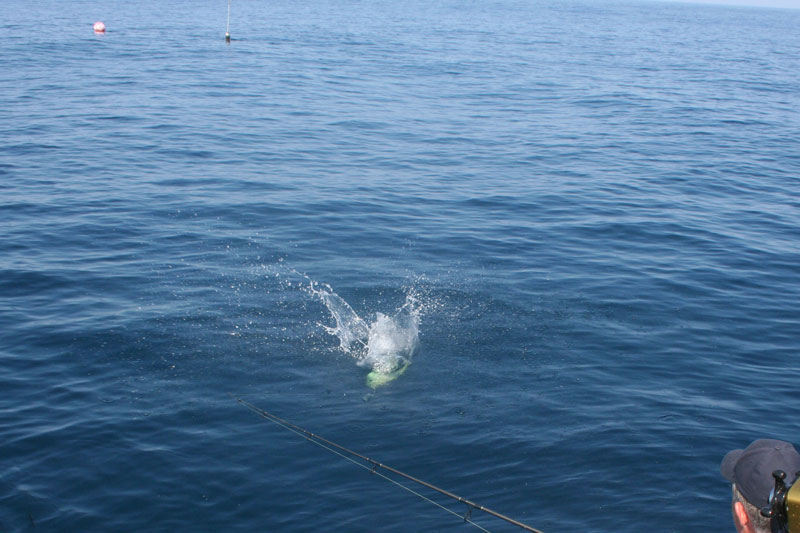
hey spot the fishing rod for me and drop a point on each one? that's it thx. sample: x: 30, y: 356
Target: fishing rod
x: 333, y: 447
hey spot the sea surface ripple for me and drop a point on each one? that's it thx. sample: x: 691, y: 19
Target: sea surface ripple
x: 594, y: 207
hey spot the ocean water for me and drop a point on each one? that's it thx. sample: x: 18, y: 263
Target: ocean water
x: 577, y: 223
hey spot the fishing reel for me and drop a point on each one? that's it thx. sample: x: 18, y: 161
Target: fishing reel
x: 783, y: 507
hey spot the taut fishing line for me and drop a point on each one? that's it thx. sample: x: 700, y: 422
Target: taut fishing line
x: 341, y: 451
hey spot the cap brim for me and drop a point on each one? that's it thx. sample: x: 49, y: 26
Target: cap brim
x: 729, y: 463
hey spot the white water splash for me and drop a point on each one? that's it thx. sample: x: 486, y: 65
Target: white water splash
x: 385, y: 346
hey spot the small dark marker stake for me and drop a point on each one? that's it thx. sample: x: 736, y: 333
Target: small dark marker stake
x: 228, y: 24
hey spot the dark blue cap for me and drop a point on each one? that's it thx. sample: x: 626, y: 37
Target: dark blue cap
x: 751, y: 469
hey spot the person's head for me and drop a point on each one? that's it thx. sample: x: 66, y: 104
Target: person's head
x: 750, y: 472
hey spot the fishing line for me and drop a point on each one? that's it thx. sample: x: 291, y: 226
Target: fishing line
x: 338, y: 449
x: 373, y: 470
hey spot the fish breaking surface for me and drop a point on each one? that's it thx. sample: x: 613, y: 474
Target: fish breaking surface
x: 385, y: 345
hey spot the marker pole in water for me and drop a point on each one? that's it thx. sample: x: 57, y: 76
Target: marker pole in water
x: 373, y: 467
x: 228, y: 25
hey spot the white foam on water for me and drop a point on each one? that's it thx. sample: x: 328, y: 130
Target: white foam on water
x: 383, y: 345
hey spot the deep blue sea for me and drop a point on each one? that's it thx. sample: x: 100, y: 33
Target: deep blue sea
x: 579, y: 221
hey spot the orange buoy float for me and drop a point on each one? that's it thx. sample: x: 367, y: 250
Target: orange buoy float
x: 99, y: 27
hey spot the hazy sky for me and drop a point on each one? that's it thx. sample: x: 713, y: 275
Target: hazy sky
x: 764, y: 3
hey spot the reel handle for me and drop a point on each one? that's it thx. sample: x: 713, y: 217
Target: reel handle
x: 777, y: 497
